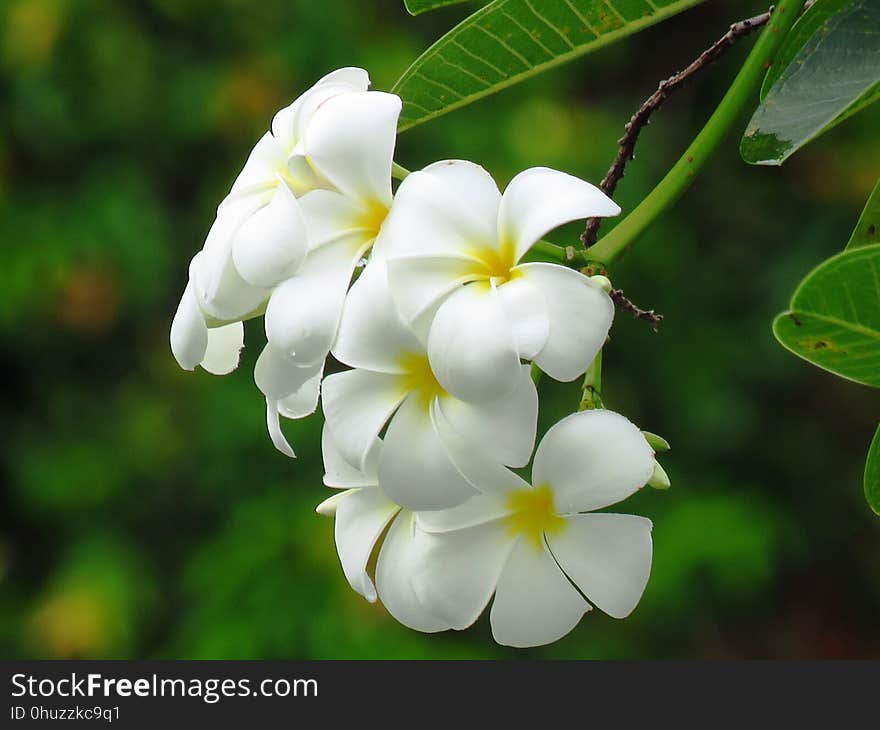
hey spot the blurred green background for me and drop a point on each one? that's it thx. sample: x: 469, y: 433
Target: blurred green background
x: 144, y: 511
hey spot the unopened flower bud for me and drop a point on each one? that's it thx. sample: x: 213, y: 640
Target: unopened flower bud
x: 603, y: 281
x: 658, y: 443
x: 659, y: 479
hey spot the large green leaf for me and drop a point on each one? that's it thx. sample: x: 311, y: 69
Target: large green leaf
x: 827, y: 70
x: 415, y: 7
x: 511, y: 40
x: 872, y: 474
x: 834, y: 317
x: 867, y: 230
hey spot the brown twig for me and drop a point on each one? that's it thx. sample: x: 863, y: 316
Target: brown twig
x: 646, y: 315
x: 641, y: 118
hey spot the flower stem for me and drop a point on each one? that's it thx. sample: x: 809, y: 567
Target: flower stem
x: 536, y: 373
x: 592, y: 388
x: 683, y: 173
x: 398, y: 172
x: 566, y: 255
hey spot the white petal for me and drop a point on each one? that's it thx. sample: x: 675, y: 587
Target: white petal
x: 473, y: 185
x: 372, y: 334
x: 350, y: 141
x: 328, y: 507
x: 264, y: 160
x: 475, y: 463
x: 471, y: 346
x: 591, y: 460
x: 302, y: 177
x: 456, y: 572
x: 189, y: 333
x: 277, y: 375
x: 331, y: 217
x: 357, y: 79
x: 233, y: 298
x: 394, y: 567
x: 608, y: 557
x: 339, y: 473
x: 419, y: 284
x: 289, y: 123
x: 534, y: 602
x: 224, y: 348
x: 444, y: 209
x: 303, y: 401
x: 526, y: 310
x: 285, y: 124
x: 415, y: 467
x: 579, y: 314
x: 360, y: 521
x: 299, y: 402
x: 503, y: 428
x: 357, y: 404
x: 273, y: 425
x: 221, y: 291
x: 303, y: 313
x: 540, y: 199
x: 271, y: 244
x: 478, y: 510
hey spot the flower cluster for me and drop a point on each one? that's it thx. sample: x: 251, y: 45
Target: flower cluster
x: 448, y: 316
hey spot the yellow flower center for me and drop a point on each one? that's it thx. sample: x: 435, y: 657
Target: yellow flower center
x: 533, y: 514
x: 495, y: 264
x: 419, y: 378
x: 373, y: 217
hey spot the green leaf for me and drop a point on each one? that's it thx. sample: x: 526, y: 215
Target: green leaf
x: 827, y: 70
x: 416, y: 7
x: 872, y: 474
x: 834, y: 317
x: 509, y: 41
x: 867, y: 230
x: 803, y: 30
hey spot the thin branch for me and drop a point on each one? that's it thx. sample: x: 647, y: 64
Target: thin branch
x: 641, y: 118
x: 646, y: 315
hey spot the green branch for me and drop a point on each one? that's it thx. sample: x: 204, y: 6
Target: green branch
x: 742, y: 91
x: 592, y: 388
x: 398, y: 172
x: 566, y: 255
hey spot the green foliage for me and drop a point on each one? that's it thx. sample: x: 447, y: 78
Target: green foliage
x: 834, y: 316
x: 510, y: 41
x: 834, y: 320
x: 96, y: 605
x: 872, y: 474
x: 416, y: 7
x: 745, y: 547
x: 828, y: 69
x: 867, y: 230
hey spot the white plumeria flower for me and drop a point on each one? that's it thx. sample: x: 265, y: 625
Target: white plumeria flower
x: 429, y: 431
x: 258, y: 238
x: 350, y: 142
x: 363, y: 514
x: 532, y: 547
x: 450, y: 227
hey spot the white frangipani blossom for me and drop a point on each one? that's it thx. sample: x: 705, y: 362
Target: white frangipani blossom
x: 430, y: 432
x: 350, y: 142
x: 533, y: 547
x: 454, y: 245
x: 258, y: 238
x: 363, y: 514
